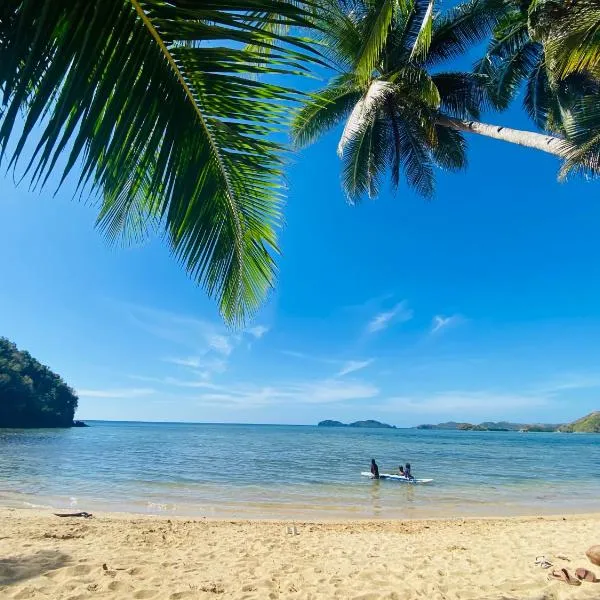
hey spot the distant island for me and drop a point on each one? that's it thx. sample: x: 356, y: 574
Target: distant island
x: 587, y: 424
x: 369, y: 423
x: 31, y: 395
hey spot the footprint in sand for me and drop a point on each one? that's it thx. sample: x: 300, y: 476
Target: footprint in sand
x: 119, y: 586
x: 78, y: 570
x: 182, y: 595
x: 141, y: 594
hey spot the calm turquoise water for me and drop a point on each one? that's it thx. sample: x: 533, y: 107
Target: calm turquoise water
x: 284, y: 471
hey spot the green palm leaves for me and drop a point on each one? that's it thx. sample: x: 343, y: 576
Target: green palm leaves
x: 552, y: 47
x: 163, y: 110
x: 390, y: 101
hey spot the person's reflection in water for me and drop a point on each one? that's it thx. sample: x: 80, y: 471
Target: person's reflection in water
x: 376, y: 497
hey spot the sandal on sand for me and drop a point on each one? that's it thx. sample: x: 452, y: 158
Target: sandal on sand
x: 585, y: 575
x: 564, y: 575
x: 543, y: 562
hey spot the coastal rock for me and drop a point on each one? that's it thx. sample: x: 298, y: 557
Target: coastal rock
x: 594, y: 555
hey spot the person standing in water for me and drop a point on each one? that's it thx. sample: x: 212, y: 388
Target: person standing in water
x: 374, y: 469
x: 407, y: 472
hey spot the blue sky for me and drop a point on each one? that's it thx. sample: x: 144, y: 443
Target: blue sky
x: 481, y: 304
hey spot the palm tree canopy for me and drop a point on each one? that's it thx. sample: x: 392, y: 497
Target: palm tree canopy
x: 552, y: 49
x: 388, y: 92
x: 164, y: 110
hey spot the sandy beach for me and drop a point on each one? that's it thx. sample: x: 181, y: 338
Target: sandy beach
x: 129, y: 556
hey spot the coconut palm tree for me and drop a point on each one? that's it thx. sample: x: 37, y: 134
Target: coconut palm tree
x: 518, y: 57
x: 400, y: 111
x: 570, y: 32
x: 552, y: 49
x: 163, y: 109
x: 570, y: 35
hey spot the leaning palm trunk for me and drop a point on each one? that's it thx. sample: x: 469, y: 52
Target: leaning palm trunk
x: 530, y: 139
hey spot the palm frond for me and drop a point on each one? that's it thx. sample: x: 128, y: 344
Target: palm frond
x: 510, y: 59
x: 363, y: 112
x: 423, y: 40
x: 365, y: 159
x: 324, y: 109
x: 155, y: 101
x: 582, y: 148
x: 462, y: 27
x: 570, y: 33
x: 374, y: 29
x: 462, y: 95
x: 450, y: 152
x: 539, y: 98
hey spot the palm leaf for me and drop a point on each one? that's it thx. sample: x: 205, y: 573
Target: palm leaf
x: 450, y: 152
x: 324, y: 109
x: 423, y: 40
x: 365, y: 158
x: 155, y: 102
x: 462, y: 27
x: 462, y: 95
x: 570, y: 33
x: 375, y: 27
x: 510, y: 59
x: 363, y: 112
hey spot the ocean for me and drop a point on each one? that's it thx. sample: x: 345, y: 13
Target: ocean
x: 296, y: 472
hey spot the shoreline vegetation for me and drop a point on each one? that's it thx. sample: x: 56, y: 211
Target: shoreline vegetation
x: 137, y: 556
x: 368, y: 424
x: 588, y: 424
x: 31, y: 394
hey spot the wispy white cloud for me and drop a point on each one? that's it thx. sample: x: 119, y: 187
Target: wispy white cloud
x: 351, y: 366
x: 193, y: 362
x: 222, y: 344
x: 440, y: 322
x: 200, y: 365
x: 198, y: 336
x: 258, y: 331
x: 484, y: 404
x: 399, y: 314
x: 569, y: 382
x: 123, y: 393
x: 325, y: 391
x: 295, y: 354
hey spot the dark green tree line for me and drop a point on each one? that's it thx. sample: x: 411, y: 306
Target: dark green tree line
x: 31, y: 395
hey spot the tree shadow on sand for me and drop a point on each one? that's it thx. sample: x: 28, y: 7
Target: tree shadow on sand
x: 27, y: 566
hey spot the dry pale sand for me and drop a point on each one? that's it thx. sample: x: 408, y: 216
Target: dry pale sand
x: 42, y: 556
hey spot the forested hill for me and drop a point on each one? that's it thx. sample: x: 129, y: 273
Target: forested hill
x: 31, y: 395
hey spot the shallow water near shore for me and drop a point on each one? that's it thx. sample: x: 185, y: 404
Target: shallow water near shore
x: 268, y: 471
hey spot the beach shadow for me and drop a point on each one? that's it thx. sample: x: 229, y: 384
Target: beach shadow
x: 27, y: 566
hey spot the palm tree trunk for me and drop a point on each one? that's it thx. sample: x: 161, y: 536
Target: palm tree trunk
x: 531, y: 139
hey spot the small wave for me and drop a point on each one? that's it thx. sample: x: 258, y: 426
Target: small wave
x: 32, y: 505
x: 160, y: 507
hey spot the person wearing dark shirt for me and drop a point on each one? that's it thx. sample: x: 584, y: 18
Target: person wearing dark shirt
x: 407, y: 472
x: 374, y: 469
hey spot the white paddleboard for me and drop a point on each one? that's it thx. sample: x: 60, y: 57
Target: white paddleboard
x: 396, y: 478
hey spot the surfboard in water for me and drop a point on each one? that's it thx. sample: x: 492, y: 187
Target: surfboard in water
x: 396, y: 478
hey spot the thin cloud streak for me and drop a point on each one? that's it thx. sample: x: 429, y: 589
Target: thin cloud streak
x: 122, y: 393
x: 258, y: 331
x: 440, y: 322
x: 352, y: 366
x: 401, y: 313
x: 483, y: 403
